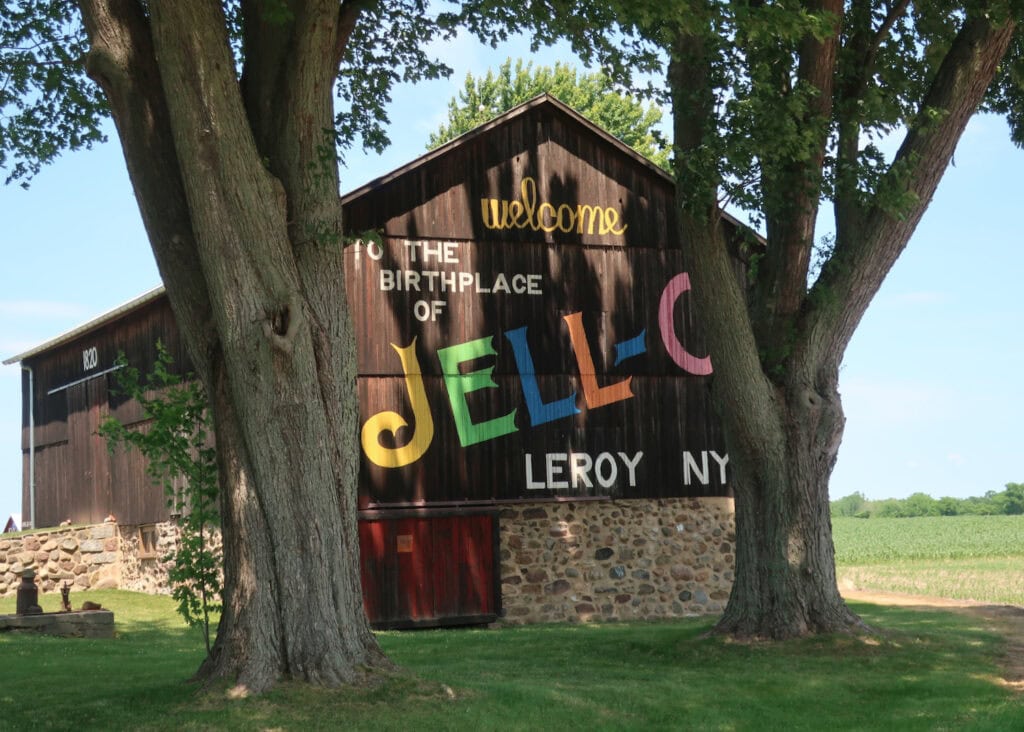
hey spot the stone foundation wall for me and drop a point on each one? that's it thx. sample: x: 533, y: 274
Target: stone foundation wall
x: 98, y: 557
x: 87, y: 557
x: 616, y: 560
x: 559, y: 562
x: 143, y: 571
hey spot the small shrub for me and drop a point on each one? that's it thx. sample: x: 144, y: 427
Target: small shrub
x: 176, y: 447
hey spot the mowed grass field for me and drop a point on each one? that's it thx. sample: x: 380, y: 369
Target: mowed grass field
x: 923, y: 671
x: 963, y: 557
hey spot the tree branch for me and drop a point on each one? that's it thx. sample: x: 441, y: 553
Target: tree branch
x: 288, y: 83
x: 738, y: 379
x: 793, y: 190
x: 347, y: 17
x: 859, y: 57
x: 236, y: 206
x: 860, y: 263
x: 265, y: 45
x: 882, y: 32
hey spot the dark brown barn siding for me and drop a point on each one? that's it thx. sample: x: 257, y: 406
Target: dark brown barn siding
x: 451, y: 225
x: 75, y: 390
x: 441, y: 198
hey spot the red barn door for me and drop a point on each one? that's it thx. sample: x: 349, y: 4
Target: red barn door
x: 432, y: 569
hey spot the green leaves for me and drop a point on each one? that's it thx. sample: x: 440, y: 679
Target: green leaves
x: 175, y: 439
x: 47, y: 103
x: 593, y: 95
x: 1009, y: 502
x: 1006, y: 95
x: 387, y: 46
x: 763, y: 117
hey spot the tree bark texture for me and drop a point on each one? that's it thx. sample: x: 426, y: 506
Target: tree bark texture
x: 244, y: 218
x: 783, y: 440
x: 777, y: 346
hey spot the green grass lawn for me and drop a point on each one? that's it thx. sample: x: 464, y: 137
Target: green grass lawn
x: 925, y: 671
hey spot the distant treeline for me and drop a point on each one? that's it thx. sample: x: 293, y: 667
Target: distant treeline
x: 1007, y: 502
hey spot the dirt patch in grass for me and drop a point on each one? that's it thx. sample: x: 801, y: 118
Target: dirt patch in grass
x: 1006, y: 620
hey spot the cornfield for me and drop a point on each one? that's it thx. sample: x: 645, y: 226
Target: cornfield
x: 886, y: 540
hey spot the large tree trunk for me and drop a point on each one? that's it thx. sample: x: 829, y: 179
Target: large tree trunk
x: 293, y: 604
x: 783, y: 437
x: 776, y: 345
x: 785, y: 581
x: 244, y: 217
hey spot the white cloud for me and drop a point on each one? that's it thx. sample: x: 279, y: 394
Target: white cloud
x: 955, y: 458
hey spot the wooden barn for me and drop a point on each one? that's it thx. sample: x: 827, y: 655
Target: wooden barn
x: 537, y: 440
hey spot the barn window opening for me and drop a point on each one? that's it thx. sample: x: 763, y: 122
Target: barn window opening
x: 148, y: 538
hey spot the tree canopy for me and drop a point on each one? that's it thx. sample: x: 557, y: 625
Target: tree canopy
x: 591, y: 94
x: 760, y: 107
x: 50, y: 103
x: 1008, y: 502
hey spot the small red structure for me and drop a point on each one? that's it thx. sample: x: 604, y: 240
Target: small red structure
x: 429, y: 569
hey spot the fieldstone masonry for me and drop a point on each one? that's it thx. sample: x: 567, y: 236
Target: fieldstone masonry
x: 559, y: 562
x: 616, y: 560
x: 98, y: 557
x: 142, y: 572
x: 85, y: 557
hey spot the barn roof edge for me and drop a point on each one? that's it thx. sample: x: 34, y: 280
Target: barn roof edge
x: 97, y: 322
x: 519, y: 110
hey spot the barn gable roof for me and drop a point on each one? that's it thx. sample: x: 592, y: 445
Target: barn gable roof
x: 532, y: 161
x: 541, y: 101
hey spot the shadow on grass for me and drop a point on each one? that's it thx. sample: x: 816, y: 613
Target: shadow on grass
x: 926, y: 670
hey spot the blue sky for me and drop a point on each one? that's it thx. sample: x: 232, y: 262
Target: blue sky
x: 932, y: 382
